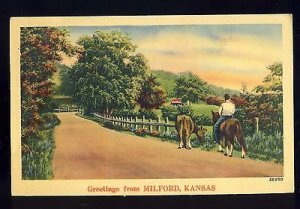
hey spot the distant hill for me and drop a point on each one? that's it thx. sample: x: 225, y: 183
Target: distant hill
x: 167, y: 79
x: 220, y: 91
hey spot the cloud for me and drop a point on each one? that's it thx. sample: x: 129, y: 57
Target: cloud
x: 234, y: 57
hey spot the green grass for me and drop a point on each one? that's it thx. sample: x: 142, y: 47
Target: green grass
x: 203, y: 108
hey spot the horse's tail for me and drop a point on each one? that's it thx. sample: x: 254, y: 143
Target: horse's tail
x: 240, y: 135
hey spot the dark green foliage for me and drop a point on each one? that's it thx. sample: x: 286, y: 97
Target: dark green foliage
x: 125, y: 113
x: 67, y: 85
x: 203, y: 120
x: 147, y: 113
x: 190, y: 87
x: 173, y: 111
x: 49, y: 121
x: 109, y: 73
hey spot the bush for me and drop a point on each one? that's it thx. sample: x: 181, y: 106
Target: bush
x: 214, y: 100
x: 37, y: 156
x: 149, y: 114
x: 173, y: 111
x: 49, y: 121
x: 203, y: 120
x: 125, y: 113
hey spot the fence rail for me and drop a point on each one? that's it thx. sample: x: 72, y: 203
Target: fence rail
x: 67, y: 110
x: 130, y: 122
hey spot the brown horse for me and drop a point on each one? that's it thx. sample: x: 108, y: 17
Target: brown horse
x: 230, y: 129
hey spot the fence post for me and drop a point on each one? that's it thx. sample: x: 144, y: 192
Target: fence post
x: 136, y: 120
x: 131, y: 124
x: 127, y: 123
x: 150, y: 125
x: 167, y: 127
x: 256, y: 124
x: 113, y: 122
x: 122, y: 122
x: 143, y: 120
x: 158, y: 126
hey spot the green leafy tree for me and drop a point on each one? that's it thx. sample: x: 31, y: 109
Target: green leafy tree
x: 109, y: 73
x: 191, y: 87
x: 266, y: 103
x: 272, y: 83
x: 41, y: 48
x: 151, y: 95
x: 66, y: 85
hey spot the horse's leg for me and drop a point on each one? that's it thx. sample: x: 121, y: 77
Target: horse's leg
x: 188, y: 141
x: 220, y: 148
x: 180, y: 141
x: 230, y: 149
x: 226, y: 147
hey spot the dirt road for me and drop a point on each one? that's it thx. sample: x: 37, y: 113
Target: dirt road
x: 85, y: 150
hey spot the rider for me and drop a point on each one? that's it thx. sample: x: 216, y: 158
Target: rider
x: 226, y: 111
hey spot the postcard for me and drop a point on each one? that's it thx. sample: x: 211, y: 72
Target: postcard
x: 152, y: 105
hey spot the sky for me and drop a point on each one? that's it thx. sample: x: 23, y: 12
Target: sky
x: 224, y: 55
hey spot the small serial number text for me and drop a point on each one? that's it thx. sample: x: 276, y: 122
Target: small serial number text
x: 276, y: 179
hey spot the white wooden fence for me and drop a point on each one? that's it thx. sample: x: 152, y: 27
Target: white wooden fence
x: 67, y: 109
x: 130, y: 122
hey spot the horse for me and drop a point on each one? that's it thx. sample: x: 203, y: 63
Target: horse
x: 185, y: 127
x: 230, y: 129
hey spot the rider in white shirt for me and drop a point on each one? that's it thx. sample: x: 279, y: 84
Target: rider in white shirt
x: 226, y: 111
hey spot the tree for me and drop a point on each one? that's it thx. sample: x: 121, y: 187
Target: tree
x: 66, y: 86
x: 272, y: 83
x: 109, y: 73
x: 266, y: 103
x: 191, y: 87
x: 41, y: 48
x: 151, y: 95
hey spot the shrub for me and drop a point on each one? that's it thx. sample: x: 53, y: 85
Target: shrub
x: 125, y: 113
x: 49, y: 121
x: 149, y: 114
x: 37, y: 156
x: 214, y: 100
x: 203, y: 120
x: 172, y: 111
